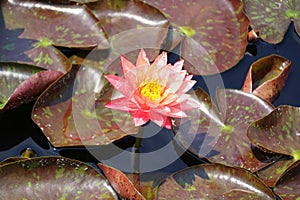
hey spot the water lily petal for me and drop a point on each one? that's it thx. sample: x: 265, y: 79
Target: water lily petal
x: 161, y: 60
x: 126, y: 64
x: 190, y: 104
x: 167, y: 111
x: 142, y: 59
x: 140, y: 118
x: 168, y: 123
x: 189, y: 77
x: 185, y: 102
x: 163, y: 76
x: 120, y: 84
x: 168, y: 97
x: 141, y: 75
x: 178, y: 66
x: 186, y: 86
x: 121, y: 104
x: 158, y: 118
x: 131, y: 78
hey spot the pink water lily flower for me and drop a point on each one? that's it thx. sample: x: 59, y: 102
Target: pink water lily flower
x: 155, y: 92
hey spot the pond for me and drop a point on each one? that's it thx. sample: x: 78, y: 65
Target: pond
x: 151, y: 151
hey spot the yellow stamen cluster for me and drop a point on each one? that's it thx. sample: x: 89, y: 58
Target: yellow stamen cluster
x: 152, y: 90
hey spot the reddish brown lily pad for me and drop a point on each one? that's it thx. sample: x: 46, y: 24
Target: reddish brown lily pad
x: 132, y: 25
x: 220, y: 135
x: 53, y: 24
x: 278, y: 132
x: 48, y: 57
x: 72, y: 113
x: 288, y: 187
x: 215, y: 32
x: 272, y: 18
x: 53, y: 178
x: 269, y: 74
x: 240, y: 194
x: 121, y: 183
x: 21, y: 83
x: 271, y: 175
x: 119, y: 16
x: 213, y: 181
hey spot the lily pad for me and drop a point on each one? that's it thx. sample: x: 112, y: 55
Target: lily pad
x: 121, y: 183
x: 278, y: 132
x: 72, y: 112
x: 272, y: 18
x: 53, y: 177
x: 271, y: 175
x: 48, y: 57
x: 215, y: 32
x: 220, y: 135
x: 269, y: 75
x: 213, y: 181
x: 288, y: 187
x: 53, y: 24
x: 132, y: 25
x: 21, y: 83
x: 118, y: 16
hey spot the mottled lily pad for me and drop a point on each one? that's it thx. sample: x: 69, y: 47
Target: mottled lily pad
x: 267, y: 76
x: 274, y: 172
x: 48, y: 57
x: 147, y: 188
x: 272, y: 18
x: 54, y: 24
x: 21, y: 83
x: 220, y: 135
x: 131, y: 185
x: 130, y: 26
x: 278, y: 132
x: 53, y: 178
x: 288, y: 187
x: 142, y: 25
x: 213, y: 181
x: 215, y: 32
x: 72, y: 113
x: 121, y: 183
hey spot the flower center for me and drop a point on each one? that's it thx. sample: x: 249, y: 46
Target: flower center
x: 152, y: 90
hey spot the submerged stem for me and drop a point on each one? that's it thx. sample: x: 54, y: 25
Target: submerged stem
x: 137, y: 149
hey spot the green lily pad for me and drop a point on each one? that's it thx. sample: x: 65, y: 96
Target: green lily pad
x: 278, y: 132
x: 121, y: 183
x: 269, y: 75
x: 213, y: 181
x: 220, y: 135
x: 72, y: 113
x: 53, y: 178
x: 288, y: 187
x: 215, y: 32
x: 272, y: 18
x: 21, y: 83
x: 53, y: 24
